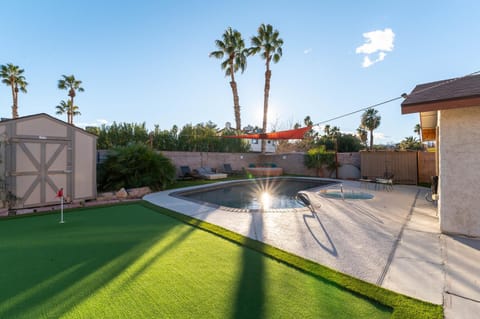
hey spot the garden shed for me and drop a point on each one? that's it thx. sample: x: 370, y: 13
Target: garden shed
x: 39, y: 155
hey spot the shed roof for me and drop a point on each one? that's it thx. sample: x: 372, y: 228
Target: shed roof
x: 445, y: 94
x: 21, y: 118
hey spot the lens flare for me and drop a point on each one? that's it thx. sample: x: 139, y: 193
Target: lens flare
x: 266, y: 200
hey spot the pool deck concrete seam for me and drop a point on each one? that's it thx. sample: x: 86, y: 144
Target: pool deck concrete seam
x: 463, y: 297
x: 397, y: 242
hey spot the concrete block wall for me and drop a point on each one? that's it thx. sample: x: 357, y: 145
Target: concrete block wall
x: 292, y: 163
x: 214, y: 160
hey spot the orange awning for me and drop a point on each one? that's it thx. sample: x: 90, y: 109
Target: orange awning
x: 296, y: 134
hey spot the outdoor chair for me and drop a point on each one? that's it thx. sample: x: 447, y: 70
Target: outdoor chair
x: 208, y: 173
x: 227, y: 169
x: 365, y: 181
x: 386, y: 182
x: 187, y: 173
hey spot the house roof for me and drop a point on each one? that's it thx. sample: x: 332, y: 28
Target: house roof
x: 445, y: 94
x: 21, y: 118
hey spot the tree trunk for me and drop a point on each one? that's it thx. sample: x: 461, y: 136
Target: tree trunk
x: 70, y: 111
x: 236, y: 104
x: 236, y: 100
x: 14, y: 106
x: 371, y: 140
x: 268, y: 75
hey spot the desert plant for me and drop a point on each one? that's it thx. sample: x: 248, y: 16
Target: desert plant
x: 13, y: 76
x: 135, y: 165
x: 268, y: 43
x: 232, y: 47
x: 320, y: 159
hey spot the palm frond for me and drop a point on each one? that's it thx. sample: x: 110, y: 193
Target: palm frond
x: 216, y: 54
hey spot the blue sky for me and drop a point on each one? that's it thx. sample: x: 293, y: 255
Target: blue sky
x: 147, y: 61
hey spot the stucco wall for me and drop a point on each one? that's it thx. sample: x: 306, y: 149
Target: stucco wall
x: 292, y: 163
x: 459, y: 162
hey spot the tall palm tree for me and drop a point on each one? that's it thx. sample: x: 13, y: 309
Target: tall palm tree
x: 232, y: 47
x: 371, y: 121
x: 66, y: 108
x: 72, y: 85
x: 12, y: 76
x: 362, y: 135
x: 268, y: 43
x: 418, y: 130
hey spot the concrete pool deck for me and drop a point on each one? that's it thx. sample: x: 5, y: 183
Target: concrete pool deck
x: 392, y: 240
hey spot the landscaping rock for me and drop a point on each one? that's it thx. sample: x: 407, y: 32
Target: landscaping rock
x: 121, y: 194
x: 139, y: 192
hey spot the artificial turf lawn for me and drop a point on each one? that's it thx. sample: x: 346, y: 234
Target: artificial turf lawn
x: 135, y: 261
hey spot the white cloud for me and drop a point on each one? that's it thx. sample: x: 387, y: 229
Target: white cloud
x: 98, y: 122
x: 379, y: 136
x: 380, y: 41
x: 308, y: 51
x: 367, y: 62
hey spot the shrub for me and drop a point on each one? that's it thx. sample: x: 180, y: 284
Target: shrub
x: 319, y: 159
x: 135, y: 165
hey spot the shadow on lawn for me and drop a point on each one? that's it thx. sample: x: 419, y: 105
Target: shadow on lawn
x: 52, y: 267
x: 250, y: 295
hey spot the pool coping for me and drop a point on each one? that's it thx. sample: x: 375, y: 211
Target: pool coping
x: 178, y: 194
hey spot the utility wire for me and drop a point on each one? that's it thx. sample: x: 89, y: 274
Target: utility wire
x: 404, y: 95
x: 360, y: 110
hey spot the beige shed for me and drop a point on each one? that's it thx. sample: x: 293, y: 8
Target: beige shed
x: 40, y: 154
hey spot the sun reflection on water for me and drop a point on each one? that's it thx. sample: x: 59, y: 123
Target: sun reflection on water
x: 266, y: 200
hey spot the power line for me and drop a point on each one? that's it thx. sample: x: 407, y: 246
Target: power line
x: 360, y: 110
x: 404, y: 95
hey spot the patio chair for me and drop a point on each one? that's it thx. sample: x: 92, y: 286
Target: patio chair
x: 227, y: 169
x: 386, y: 182
x: 187, y: 173
x: 208, y: 173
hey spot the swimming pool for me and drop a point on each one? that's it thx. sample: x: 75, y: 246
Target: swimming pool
x: 272, y: 194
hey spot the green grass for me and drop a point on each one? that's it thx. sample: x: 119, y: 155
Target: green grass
x: 136, y: 261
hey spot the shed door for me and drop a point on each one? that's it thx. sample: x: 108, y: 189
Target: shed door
x: 41, y: 168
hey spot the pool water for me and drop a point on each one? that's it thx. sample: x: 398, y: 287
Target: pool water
x: 259, y: 194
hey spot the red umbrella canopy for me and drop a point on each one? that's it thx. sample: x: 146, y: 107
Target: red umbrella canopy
x: 295, y: 134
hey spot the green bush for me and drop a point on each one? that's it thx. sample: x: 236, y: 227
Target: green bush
x: 319, y: 159
x: 135, y: 165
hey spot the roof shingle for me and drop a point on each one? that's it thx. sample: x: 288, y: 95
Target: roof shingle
x: 451, y: 89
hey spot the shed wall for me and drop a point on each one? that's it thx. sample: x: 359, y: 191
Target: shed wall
x: 84, y: 168
x: 38, y: 157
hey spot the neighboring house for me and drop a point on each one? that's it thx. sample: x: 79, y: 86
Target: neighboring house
x: 256, y: 146
x: 450, y: 115
x: 40, y: 154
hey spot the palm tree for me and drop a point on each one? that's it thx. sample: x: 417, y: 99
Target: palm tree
x: 268, y: 43
x: 12, y: 76
x: 72, y: 85
x: 418, y: 130
x: 362, y: 135
x: 233, y: 47
x: 371, y: 121
x: 65, y: 108
x: 410, y: 143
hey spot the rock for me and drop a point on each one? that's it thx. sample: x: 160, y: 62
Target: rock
x: 139, y: 192
x: 121, y: 194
